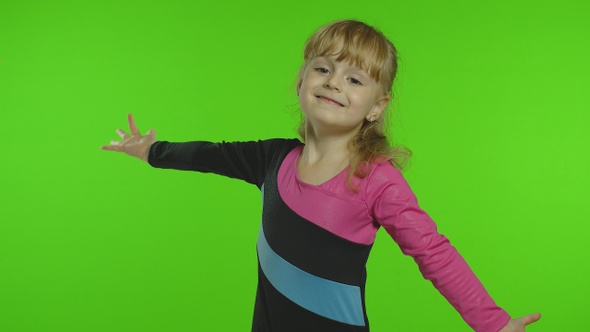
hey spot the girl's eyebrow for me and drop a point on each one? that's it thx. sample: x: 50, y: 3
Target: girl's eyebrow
x: 360, y: 71
x: 330, y: 61
x: 322, y: 59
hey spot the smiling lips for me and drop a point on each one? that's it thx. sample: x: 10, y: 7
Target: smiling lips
x: 329, y: 101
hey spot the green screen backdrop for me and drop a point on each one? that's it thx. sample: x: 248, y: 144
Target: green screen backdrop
x: 492, y: 97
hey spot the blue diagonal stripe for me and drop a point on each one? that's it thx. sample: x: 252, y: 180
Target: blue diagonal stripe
x: 331, y: 299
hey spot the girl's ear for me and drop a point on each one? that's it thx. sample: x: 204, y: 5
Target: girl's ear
x: 378, y: 109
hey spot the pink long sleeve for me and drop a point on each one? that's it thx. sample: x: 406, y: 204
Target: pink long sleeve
x: 396, y: 209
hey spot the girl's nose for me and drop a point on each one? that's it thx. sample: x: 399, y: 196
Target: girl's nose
x: 332, y: 83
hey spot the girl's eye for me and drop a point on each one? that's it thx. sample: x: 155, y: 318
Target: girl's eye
x: 355, y: 81
x: 322, y: 70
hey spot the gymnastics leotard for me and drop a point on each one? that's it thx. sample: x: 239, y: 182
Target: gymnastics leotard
x: 315, y: 240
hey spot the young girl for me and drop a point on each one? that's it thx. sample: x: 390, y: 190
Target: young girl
x: 324, y: 199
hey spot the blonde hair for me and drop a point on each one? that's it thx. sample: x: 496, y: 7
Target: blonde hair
x: 366, y: 48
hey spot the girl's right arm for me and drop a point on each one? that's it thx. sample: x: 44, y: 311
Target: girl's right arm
x: 135, y: 145
x: 246, y: 161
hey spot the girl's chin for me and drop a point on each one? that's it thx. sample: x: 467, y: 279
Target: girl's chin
x: 331, y: 125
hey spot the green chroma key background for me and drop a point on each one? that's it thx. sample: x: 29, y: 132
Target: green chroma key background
x: 492, y: 97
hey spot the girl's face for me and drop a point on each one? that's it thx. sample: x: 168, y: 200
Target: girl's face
x: 338, y: 96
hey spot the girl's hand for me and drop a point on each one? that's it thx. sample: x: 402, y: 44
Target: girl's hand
x: 518, y: 324
x: 135, y: 145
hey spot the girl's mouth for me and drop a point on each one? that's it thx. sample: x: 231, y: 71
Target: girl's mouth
x: 329, y: 101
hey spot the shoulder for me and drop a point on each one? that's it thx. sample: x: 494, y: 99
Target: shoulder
x: 277, y: 147
x: 280, y: 143
x: 262, y: 147
x: 385, y: 179
x: 384, y: 173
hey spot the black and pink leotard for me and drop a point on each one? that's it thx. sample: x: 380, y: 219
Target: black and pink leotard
x: 314, y: 240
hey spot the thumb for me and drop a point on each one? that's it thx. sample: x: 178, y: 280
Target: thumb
x: 526, y: 320
x: 151, y: 132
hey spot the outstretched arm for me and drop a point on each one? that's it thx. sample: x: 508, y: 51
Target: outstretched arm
x: 519, y: 324
x: 396, y: 209
x: 135, y: 145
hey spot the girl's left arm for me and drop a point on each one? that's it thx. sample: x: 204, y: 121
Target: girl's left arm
x: 396, y: 208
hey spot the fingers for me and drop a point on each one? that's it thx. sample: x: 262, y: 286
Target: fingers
x: 132, y: 126
x: 122, y: 146
x: 113, y: 147
x: 122, y: 134
x: 531, y: 318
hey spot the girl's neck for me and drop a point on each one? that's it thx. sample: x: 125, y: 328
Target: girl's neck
x: 326, y: 149
x: 324, y: 155
x: 320, y: 161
